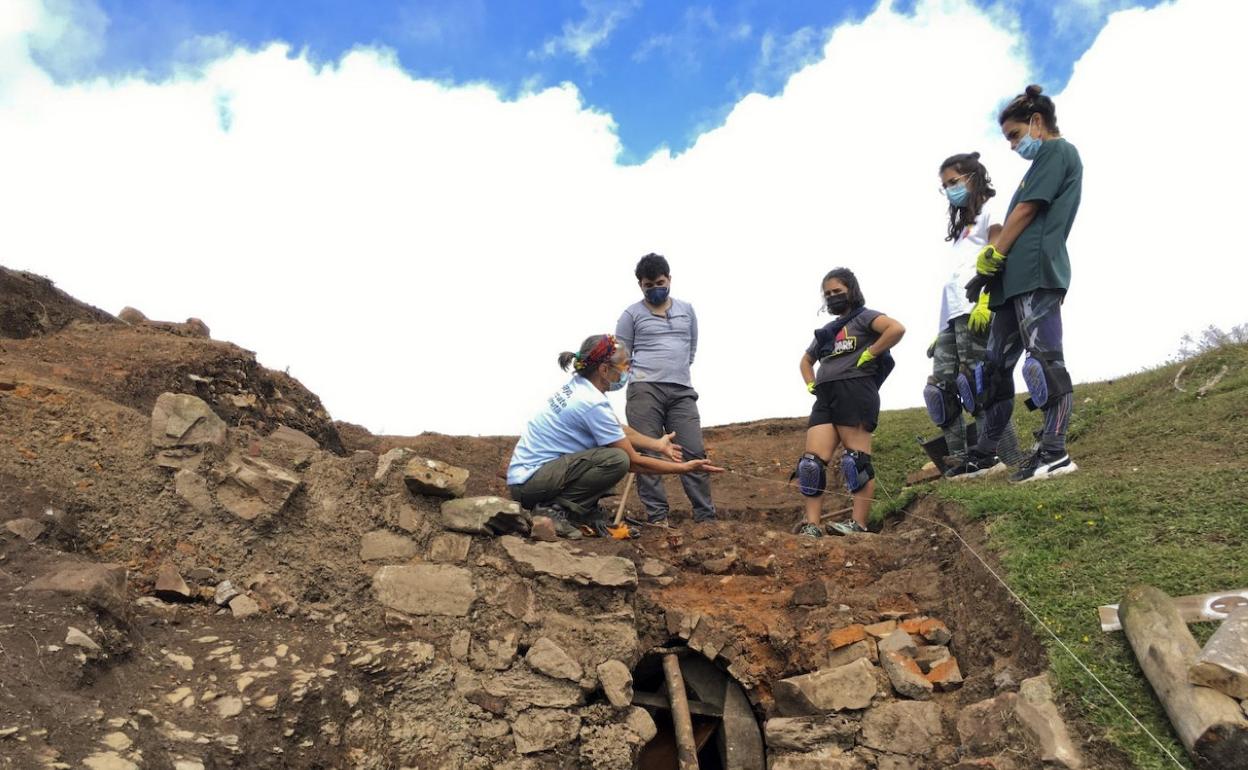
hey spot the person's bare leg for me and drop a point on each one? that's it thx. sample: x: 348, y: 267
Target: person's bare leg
x: 821, y: 440
x: 859, y: 440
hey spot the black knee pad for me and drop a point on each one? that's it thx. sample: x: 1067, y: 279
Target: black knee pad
x: 811, y: 475
x: 942, y: 403
x: 1047, y: 380
x: 992, y: 384
x: 857, y: 469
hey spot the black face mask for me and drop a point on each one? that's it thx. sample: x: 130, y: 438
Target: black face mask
x: 838, y: 304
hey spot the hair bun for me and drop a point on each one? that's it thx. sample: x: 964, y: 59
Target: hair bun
x: 975, y: 156
x: 1034, y: 90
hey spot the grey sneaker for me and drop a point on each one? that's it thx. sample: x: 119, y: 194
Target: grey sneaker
x: 847, y: 527
x: 978, y: 465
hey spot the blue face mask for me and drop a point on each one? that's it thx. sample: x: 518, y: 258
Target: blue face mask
x: 620, y: 383
x: 657, y: 295
x: 957, y: 194
x: 1028, y: 147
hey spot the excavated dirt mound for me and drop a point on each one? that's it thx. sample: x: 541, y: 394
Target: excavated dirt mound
x: 322, y: 614
x: 30, y: 306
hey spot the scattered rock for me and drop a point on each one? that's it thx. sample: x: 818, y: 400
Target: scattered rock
x: 449, y: 547
x: 543, y: 529
x: 929, y: 655
x: 839, y: 657
x: 851, y: 686
x: 721, y: 565
x: 104, y: 581
x: 843, y: 637
x: 900, y: 642
x: 169, y: 584
x: 556, y: 560
x: 294, y: 438
x: 383, y: 545
x: 192, y: 488
x: 543, y: 729
x: 117, y: 741
x: 76, y: 638
x: 642, y: 724
x: 496, y: 654
x: 243, y: 606
x: 224, y: 592
x: 760, y: 565
x: 27, y: 529
x: 488, y: 516
x: 131, y: 315
x: 989, y: 726
x: 229, y: 706
x: 1037, y: 712
x: 434, y: 477
x: 425, y: 589
x: 805, y: 733
x: 184, y: 662
x: 905, y: 676
x: 253, y: 487
x: 882, y: 629
x: 182, y: 420
x: 550, y: 659
x: 108, y: 760
x: 617, y: 683
x: 653, y: 568
x: 945, y: 675
x: 930, y: 629
x: 812, y: 593
x: 903, y: 727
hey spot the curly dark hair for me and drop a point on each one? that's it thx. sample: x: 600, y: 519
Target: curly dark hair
x: 978, y: 183
x: 652, y: 266
x: 1030, y: 102
x: 847, y: 277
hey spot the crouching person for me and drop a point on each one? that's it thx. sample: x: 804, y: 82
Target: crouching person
x: 852, y: 355
x: 575, y: 450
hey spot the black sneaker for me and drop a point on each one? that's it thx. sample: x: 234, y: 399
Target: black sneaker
x: 977, y: 465
x: 1044, y: 465
x: 563, y: 527
x: 810, y: 530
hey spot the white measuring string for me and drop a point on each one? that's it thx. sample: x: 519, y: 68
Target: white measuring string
x: 1021, y: 602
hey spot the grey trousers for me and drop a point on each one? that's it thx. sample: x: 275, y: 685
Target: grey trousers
x: 656, y: 409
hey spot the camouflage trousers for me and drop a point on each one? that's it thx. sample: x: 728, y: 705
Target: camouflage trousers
x: 957, y: 349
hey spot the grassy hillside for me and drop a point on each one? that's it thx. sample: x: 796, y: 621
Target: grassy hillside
x: 1161, y: 497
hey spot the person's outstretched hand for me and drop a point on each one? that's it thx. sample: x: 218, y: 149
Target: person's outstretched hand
x: 691, y: 466
x: 670, y: 449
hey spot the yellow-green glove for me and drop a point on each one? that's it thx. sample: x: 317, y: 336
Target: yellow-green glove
x: 866, y: 358
x: 989, y: 261
x: 931, y: 349
x: 981, y: 316
x: 810, y: 386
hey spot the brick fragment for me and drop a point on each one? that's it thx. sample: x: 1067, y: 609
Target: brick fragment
x: 843, y: 637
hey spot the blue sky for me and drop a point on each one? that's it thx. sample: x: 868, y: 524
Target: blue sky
x: 666, y: 71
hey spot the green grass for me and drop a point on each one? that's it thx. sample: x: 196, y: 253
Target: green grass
x: 1161, y: 497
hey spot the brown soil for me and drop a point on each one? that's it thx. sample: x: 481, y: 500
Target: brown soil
x: 75, y: 455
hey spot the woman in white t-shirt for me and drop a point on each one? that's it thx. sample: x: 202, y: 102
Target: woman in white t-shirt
x: 963, y: 335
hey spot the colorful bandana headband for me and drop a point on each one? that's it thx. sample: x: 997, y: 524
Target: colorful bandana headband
x: 599, y: 354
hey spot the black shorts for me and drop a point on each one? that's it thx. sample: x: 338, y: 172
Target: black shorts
x: 855, y: 403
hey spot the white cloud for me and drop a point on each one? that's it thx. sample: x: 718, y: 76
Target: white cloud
x: 781, y: 55
x: 580, y: 38
x: 419, y: 253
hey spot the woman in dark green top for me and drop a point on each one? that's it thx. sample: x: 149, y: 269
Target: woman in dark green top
x: 1026, y: 272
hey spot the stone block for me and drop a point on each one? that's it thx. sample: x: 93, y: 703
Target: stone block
x: 851, y: 686
x: 425, y: 589
x: 424, y: 476
x: 183, y: 420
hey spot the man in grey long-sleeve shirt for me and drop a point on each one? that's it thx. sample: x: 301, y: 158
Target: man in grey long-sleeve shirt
x: 662, y: 332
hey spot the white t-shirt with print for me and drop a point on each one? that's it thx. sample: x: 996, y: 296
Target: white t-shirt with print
x: 961, y: 265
